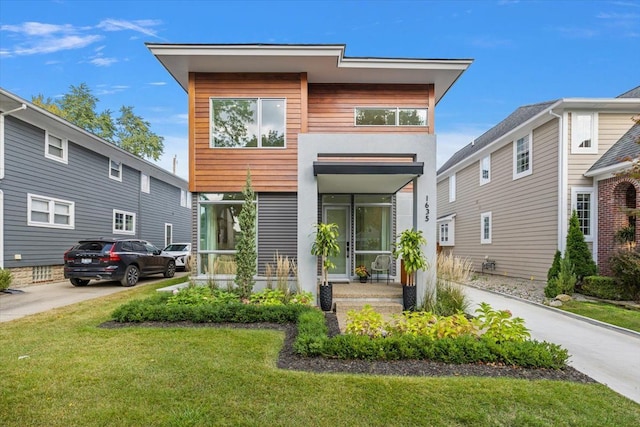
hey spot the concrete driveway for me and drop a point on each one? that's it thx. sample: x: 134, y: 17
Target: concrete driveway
x: 608, y: 354
x: 39, y: 298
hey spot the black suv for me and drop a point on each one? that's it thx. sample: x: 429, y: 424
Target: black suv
x: 125, y: 260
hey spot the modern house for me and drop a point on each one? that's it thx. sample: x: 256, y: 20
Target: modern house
x: 60, y: 184
x: 326, y: 137
x: 507, y: 197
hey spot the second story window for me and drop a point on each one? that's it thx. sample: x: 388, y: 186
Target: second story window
x: 247, y: 123
x: 393, y: 116
x: 485, y: 170
x: 584, y: 135
x: 56, y: 148
x: 115, y: 170
x: 452, y: 188
x: 145, y: 183
x: 522, y: 157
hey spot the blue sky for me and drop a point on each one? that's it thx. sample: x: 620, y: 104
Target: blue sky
x: 524, y: 51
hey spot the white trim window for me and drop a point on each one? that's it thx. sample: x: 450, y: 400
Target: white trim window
x: 390, y: 116
x: 115, y: 170
x: 124, y: 222
x: 248, y: 123
x: 583, y: 202
x: 56, y: 148
x: 522, y: 157
x: 452, y: 188
x: 145, y: 183
x: 584, y: 133
x: 447, y: 230
x: 168, y: 234
x: 485, y: 228
x: 48, y: 212
x: 184, y: 198
x: 485, y: 170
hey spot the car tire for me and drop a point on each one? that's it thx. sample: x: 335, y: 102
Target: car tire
x: 79, y: 282
x: 131, y: 276
x: 170, y: 271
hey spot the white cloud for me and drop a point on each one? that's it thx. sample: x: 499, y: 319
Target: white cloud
x: 158, y: 83
x: 143, y: 26
x: 38, y: 29
x: 51, y: 45
x: 103, y: 62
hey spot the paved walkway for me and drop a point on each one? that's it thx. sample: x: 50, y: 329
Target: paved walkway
x: 607, y: 354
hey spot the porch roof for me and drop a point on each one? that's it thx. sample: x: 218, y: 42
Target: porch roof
x: 365, y: 177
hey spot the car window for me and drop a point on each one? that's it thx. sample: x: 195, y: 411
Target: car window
x: 126, y: 247
x: 138, y: 247
x: 102, y: 247
x: 150, y: 248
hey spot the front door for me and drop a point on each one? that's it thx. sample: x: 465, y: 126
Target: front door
x: 340, y: 215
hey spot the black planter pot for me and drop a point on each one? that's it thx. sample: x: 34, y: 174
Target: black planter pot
x: 409, y: 297
x: 364, y: 279
x: 326, y: 297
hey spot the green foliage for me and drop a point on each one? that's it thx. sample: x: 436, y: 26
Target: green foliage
x: 578, y: 251
x: 246, y: 253
x: 325, y: 245
x: 365, y: 322
x: 312, y: 333
x: 409, y: 248
x: 499, y: 326
x: 130, y: 132
x: 302, y: 298
x: 5, y: 279
x: 433, y: 326
x: 448, y: 299
x: 268, y: 297
x: 564, y: 282
x: 605, y: 288
x: 625, y: 266
x: 555, y: 266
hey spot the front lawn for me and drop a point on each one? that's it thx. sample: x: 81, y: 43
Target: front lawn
x: 59, y: 369
x: 604, y: 312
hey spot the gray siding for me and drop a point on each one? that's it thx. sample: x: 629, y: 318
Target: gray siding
x: 165, y: 199
x: 277, y: 227
x: 84, y: 181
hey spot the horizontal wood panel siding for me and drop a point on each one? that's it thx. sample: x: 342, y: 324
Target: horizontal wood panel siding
x: 277, y: 228
x: 164, y: 198
x: 524, y: 211
x: 225, y: 169
x: 332, y: 106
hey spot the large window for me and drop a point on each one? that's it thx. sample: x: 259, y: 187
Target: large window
x: 485, y: 228
x: 522, y: 157
x: 582, y: 201
x: 485, y: 170
x: 124, y: 222
x: 372, y: 227
x: 251, y: 122
x: 56, y: 148
x: 219, y: 231
x: 584, y: 133
x: 394, y: 116
x: 49, y: 212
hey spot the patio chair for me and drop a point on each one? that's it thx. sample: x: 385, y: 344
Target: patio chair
x: 382, y: 263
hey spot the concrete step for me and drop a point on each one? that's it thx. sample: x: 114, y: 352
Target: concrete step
x: 378, y: 306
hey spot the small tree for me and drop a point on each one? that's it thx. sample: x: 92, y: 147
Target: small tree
x: 564, y: 282
x: 409, y: 249
x: 326, y: 245
x: 555, y: 266
x: 5, y: 279
x: 246, y: 255
x: 578, y: 251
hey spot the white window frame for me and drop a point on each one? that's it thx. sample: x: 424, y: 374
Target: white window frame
x: 575, y: 143
x: 168, y: 237
x: 125, y: 213
x: 452, y: 188
x: 145, y: 183
x: 592, y: 212
x: 119, y: 177
x: 450, y: 223
x: 529, y: 171
x: 64, y: 147
x: 486, y: 159
x: 484, y: 240
x: 184, y: 202
x: 51, y: 211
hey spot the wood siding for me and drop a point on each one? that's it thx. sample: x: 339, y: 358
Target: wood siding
x: 524, y: 211
x: 225, y: 169
x: 332, y: 106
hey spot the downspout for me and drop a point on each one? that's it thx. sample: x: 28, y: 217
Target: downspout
x: 562, y: 182
x: 5, y: 113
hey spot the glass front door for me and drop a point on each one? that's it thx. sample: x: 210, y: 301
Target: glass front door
x: 340, y: 215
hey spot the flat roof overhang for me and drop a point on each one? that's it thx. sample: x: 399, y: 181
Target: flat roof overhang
x: 365, y: 177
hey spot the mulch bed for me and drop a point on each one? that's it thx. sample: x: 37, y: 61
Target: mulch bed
x: 288, y: 359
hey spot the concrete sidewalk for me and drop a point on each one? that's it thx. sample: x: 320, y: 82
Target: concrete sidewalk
x: 39, y: 298
x: 607, y: 354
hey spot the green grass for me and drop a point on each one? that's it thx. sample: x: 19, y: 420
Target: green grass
x: 604, y: 312
x: 59, y: 369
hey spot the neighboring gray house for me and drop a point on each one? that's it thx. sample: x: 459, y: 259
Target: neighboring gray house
x: 508, y: 195
x: 59, y: 184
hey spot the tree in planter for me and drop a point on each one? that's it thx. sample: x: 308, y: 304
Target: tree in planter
x: 325, y: 246
x: 578, y: 251
x: 409, y: 249
x: 246, y: 255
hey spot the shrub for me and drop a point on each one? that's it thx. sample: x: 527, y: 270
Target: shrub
x: 605, y: 288
x: 555, y: 266
x: 449, y: 299
x: 578, y: 251
x: 268, y: 297
x: 499, y: 326
x: 452, y: 268
x: 365, y: 322
x: 565, y: 282
x: 5, y: 279
x: 625, y: 266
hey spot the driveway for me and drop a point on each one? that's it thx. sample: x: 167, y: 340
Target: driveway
x: 608, y: 354
x: 38, y: 298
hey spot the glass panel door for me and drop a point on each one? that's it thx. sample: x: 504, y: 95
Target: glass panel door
x: 340, y: 216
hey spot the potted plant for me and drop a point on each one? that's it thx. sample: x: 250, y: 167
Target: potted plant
x: 326, y: 245
x: 362, y: 273
x: 627, y: 236
x: 409, y: 249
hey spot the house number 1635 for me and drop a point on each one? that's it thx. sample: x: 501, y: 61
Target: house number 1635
x: 426, y: 209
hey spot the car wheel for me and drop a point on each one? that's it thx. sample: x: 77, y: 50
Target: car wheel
x: 171, y: 269
x: 131, y: 276
x: 79, y: 282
